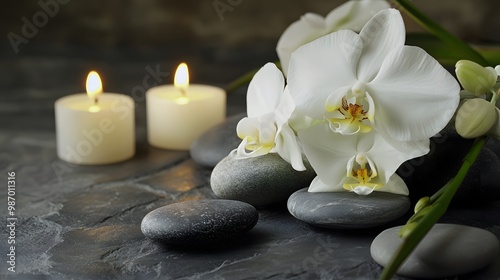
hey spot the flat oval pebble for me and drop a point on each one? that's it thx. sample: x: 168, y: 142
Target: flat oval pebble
x: 447, y: 250
x: 347, y: 210
x: 199, y: 222
x: 215, y: 144
x: 260, y: 181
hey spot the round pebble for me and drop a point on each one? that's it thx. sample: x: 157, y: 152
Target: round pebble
x: 447, y: 250
x: 260, y: 181
x: 199, y: 222
x: 347, y: 210
x: 215, y: 144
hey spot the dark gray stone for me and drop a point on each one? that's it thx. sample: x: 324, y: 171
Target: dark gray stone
x: 347, y: 209
x: 447, y: 250
x: 426, y: 175
x: 199, y: 222
x: 260, y: 181
x: 215, y: 144
x: 481, y: 185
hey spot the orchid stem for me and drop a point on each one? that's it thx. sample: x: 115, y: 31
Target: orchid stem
x: 434, y: 28
x: 241, y: 81
x: 442, y: 199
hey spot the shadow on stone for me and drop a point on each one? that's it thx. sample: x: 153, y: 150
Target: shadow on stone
x: 237, y: 243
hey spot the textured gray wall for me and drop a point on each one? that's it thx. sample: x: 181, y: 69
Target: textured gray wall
x: 153, y: 23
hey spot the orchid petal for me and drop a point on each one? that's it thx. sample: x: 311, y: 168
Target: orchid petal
x: 371, y: 107
x: 247, y: 127
x: 264, y: 90
x: 258, y: 136
x: 328, y: 152
x: 300, y: 122
x: 308, y: 28
x: 334, y: 99
x: 285, y: 108
x: 383, y: 33
x: 319, y: 186
x: 242, y: 153
x: 363, y: 190
x: 414, y: 95
x: 395, y: 185
x: 388, y: 158
x: 289, y: 149
x: 354, y: 14
x: 346, y: 127
x: 315, y: 70
x: 267, y: 134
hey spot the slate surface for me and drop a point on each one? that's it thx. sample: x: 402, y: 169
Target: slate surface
x: 84, y: 223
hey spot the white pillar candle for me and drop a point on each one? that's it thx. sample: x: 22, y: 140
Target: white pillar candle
x: 95, y: 128
x: 178, y: 114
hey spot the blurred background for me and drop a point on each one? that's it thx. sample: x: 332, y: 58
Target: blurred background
x: 145, y: 24
x: 49, y: 46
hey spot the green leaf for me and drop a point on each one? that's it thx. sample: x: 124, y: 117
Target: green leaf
x: 448, y: 55
x: 466, y: 51
x: 443, y: 53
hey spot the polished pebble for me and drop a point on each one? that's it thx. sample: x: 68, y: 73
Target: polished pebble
x: 260, y: 181
x: 215, y: 144
x: 447, y: 250
x: 347, y: 209
x: 199, y: 222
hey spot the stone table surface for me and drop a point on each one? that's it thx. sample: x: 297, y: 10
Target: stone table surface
x: 83, y: 222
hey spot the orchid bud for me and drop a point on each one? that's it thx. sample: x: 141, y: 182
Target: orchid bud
x: 422, y: 203
x: 475, y: 118
x: 475, y: 78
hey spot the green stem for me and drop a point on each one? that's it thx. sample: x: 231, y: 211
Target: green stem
x: 441, y: 33
x: 241, y: 81
x: 245, y: 79
x: 494, y: 97
x: 437, y: 209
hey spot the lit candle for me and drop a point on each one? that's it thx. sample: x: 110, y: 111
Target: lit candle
x: 178, y: 114
x: 95, y: 128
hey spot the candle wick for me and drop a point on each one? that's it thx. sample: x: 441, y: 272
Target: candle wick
x: 183, y: 91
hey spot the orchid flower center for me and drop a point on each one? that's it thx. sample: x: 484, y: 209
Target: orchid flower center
x: 353, y: 113
x: 360, y: 173
x: 258, y: 136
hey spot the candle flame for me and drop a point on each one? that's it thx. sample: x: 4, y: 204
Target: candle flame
x: 181, y: 79
x: 94, y: 86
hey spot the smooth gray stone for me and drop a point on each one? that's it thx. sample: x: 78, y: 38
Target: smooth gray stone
x: 480, y: 186
x: 199, y: 222
x: 347, y: 210
x: 260, y: 181
x: 215, y: 144
x: 447, y: 250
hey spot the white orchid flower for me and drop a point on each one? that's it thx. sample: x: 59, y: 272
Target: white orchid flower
x: 266, y: 129
x: 361, y: 163
x: 371, y: 80
x: 350, y: 15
